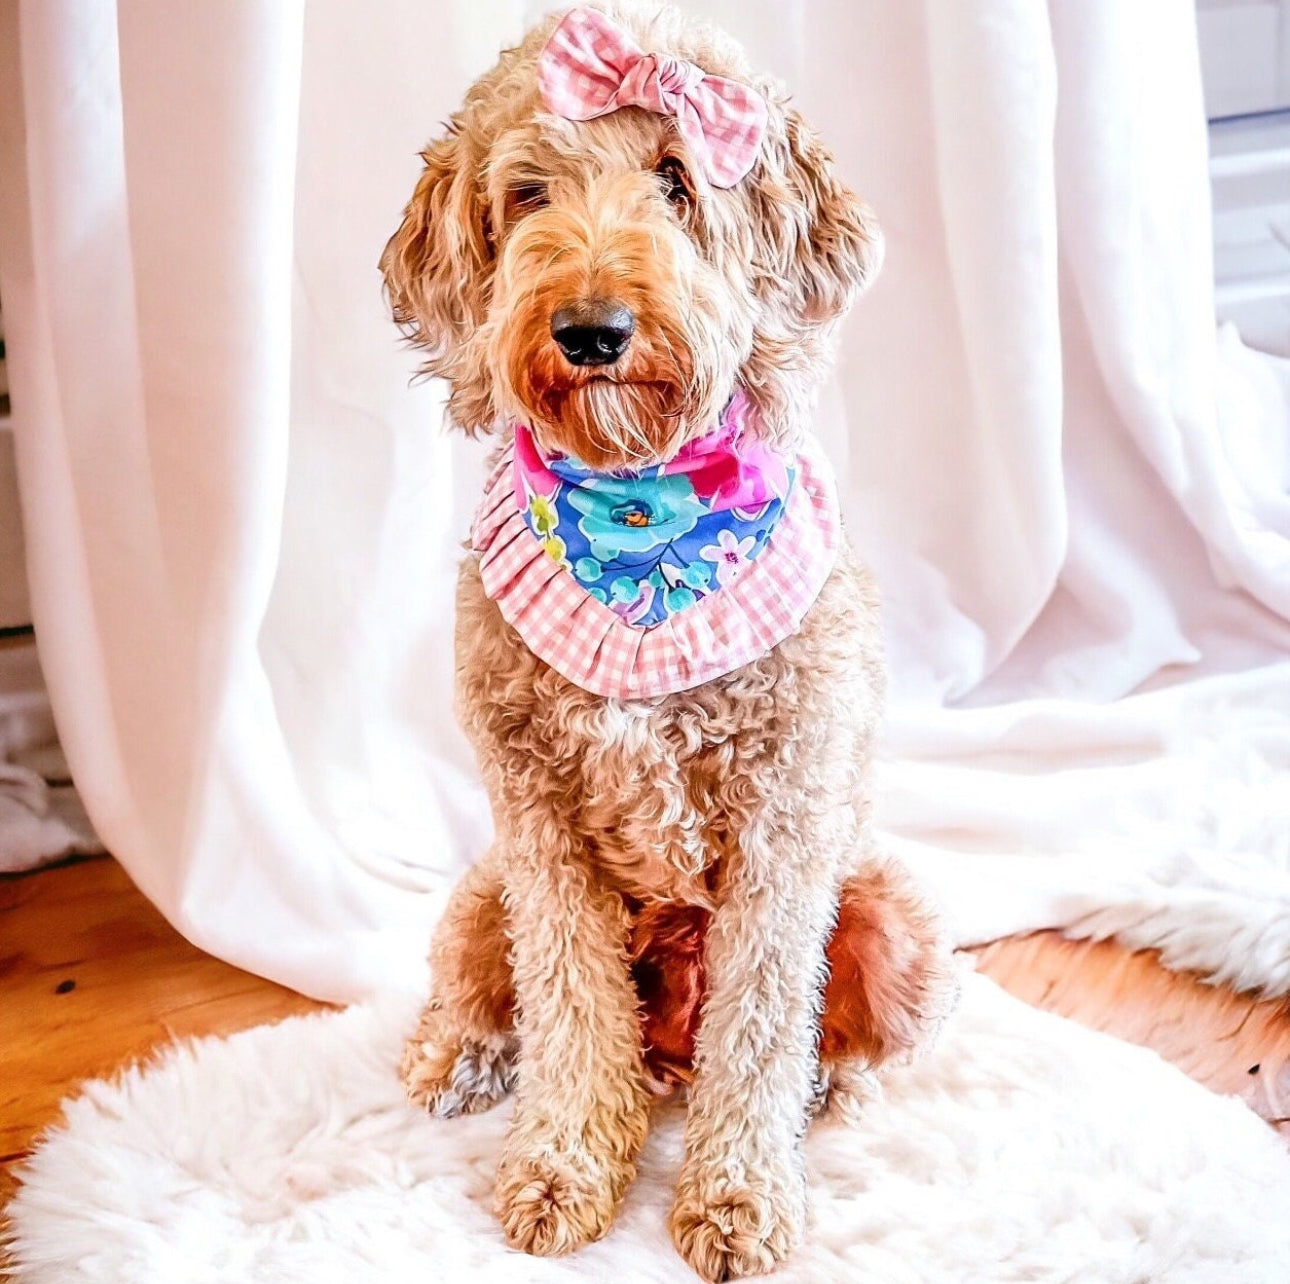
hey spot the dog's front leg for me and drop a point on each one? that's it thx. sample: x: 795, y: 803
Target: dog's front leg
x: 582, y: 1105
x: 741, y: 1200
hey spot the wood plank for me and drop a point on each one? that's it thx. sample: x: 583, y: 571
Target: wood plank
x: 94, y: 979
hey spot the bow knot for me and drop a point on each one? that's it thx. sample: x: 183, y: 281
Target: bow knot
x: 591, y: 67
x: 675, y: 76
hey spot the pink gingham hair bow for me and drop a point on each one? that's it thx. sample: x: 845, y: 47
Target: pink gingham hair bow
x: 591, y: 67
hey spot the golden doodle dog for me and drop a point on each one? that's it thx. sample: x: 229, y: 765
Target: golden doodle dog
x: 627, y: 256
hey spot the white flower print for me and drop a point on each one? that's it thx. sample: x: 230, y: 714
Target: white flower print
x: 729, y: 555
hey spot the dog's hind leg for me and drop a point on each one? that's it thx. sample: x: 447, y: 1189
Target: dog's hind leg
x: 462, y: 1057
x: 892, y: 981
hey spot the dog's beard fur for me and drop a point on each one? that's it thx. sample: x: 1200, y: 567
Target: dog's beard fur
x: 613, y: 425
x: 681, y: 364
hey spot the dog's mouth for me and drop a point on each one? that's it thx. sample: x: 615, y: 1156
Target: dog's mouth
x: 614, y: 421
x: 624, y: 381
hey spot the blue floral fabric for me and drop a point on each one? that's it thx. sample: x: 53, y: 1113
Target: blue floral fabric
x: 652, y: 543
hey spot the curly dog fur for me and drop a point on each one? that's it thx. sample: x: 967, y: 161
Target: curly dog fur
x: 682, y: 889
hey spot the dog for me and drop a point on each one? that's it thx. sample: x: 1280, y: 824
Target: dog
x: 628, y: 256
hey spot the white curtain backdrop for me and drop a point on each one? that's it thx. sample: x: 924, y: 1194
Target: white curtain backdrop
x: 243, y: 522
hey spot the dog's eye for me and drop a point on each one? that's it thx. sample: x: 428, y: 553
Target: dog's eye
x: 523, y: 199
x: 675, y: 182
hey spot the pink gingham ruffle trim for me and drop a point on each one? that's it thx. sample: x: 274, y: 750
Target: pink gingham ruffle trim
x: 586, y: 642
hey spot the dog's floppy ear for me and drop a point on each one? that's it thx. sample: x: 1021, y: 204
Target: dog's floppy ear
x: 816, y: 240
x: 437, y: 264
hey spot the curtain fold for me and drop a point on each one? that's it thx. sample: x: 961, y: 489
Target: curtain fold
x: 243, y: 521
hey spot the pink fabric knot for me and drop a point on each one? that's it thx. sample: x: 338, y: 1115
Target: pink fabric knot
x: 675, y: 78
x: 591, y: 67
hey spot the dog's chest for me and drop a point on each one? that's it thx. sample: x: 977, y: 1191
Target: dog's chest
x: 659, y: 792
x: 655, y: 801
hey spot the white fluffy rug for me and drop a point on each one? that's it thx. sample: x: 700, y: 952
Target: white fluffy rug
x: 1023, y: 1148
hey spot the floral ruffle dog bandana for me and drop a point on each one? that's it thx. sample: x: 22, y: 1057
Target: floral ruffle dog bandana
x: 725, y: 549
x: 651, y: 543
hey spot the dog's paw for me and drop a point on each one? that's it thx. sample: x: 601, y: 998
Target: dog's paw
x: 554, y: 1203
x: 458, y: 1076
x: 726, y: 1228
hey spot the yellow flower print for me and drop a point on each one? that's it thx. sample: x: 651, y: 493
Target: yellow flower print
x: 556, y: 549
x: 545, y: 516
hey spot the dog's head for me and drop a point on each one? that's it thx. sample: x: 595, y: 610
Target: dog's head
x: 589, y: 278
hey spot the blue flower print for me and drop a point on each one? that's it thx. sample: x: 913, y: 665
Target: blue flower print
x: 588, y: 570
x: 698, y: 576
x: 646, y: 545
x: 625, y: 515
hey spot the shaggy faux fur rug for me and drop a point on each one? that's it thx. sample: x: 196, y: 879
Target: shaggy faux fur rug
x: 1022, y: 1148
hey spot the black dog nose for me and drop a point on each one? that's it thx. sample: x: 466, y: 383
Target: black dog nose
x: 593, y: 332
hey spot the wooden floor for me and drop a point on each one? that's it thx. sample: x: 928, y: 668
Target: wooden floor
x: 92, y: 978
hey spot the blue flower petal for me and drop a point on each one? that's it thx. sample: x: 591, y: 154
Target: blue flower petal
x: 698, y: 575
x: 670, y: 503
